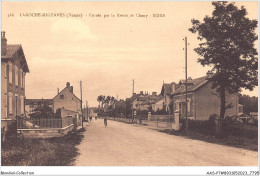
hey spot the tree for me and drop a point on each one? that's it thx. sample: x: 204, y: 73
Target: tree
x: 107, y: 100
x: 112, y: 101
x: 99, y: 99
x: 228, y: 38
x: 250, y: 104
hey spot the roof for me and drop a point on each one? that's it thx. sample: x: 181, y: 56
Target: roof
x: 69, y: 91
x: 34, y: 101
x: 131, y: 99
x: 167, y: 88
x: 192, y: 85
x: 159, y: 97
x: 11, y: 49
x: 150, y: 99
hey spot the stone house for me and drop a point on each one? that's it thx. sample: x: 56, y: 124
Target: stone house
x: 13, y: 70
x: 67, y: 101
x: 202, y: 99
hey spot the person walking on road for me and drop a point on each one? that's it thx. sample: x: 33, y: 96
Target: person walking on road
x: 105, y: 121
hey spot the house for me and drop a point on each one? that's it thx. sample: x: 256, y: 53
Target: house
x: 13, y: 70
x: 158, y: 104
x: 144, y: 102
x: 202, y: 99
x: 31, y: 105
x: 166, y: 91
x: 68, y: 102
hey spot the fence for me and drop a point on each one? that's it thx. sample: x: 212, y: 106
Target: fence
x: 44, y: 123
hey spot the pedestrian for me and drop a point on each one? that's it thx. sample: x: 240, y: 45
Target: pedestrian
x: 105, y: 121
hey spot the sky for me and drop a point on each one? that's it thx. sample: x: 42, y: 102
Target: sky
x: 107, y: 53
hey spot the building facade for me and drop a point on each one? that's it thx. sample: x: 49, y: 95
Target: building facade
x: 202, y: 100
x: 158, y: 104
x: 166, y: 91
x: 13, y: 70
x: 67, y: 100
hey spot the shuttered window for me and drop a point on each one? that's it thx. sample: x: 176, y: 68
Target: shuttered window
x: 22, y: 105
x: 10, y: 74
x: 10, y: 97
x: 16, y: 76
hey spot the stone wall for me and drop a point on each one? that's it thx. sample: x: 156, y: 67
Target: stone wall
x: 45, y: 133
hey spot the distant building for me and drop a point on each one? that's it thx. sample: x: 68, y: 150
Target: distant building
x: 158, y: 104
x: 13, y: 70
x: 144, y: 101
x: 202, y: 99
x: 67, y: 101
x: 166, y: 91
x: 31, y: 105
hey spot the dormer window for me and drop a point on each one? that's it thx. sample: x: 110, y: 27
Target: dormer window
x: 61, y: 96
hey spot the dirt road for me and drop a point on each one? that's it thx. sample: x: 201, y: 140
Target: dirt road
x: 122, y: 144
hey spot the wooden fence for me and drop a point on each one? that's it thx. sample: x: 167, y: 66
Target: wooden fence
x: 44, y: 123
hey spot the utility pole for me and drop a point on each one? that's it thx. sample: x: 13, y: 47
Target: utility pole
x: 186, y: 87
x: 133, y: 86
x: 132, y: 103
x: 81, y: 102
x: 87, y: 109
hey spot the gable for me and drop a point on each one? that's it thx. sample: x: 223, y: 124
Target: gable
x: 66, y: 95
x: 15, y: 55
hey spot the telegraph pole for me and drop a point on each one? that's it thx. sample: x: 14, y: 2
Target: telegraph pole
x: 132, y: 103
x: 186, y: 86
x: 133, y: 86
x: 81, y: 102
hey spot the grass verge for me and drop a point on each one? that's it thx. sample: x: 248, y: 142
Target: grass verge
x: 229, y: 140
x: 58, y: 151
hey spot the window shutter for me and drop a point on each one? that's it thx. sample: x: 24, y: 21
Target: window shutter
x: 10, y: 103
x: 10, y: 74
x: 22, y: 105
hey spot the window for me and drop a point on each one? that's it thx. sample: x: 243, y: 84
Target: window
x: 10, y: 103
x: 22, y: 105
x: 21, y: 78
x: 188, y: 107
x: 61, y: 96
x: 10, y: 73
x: 16, y: 75
x: 23, y: 75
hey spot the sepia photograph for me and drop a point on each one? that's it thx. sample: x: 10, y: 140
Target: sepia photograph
x: 129, y: 83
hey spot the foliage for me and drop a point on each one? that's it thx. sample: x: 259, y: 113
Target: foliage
x: 58, y: 113
x: 42, y: 112
x: 59, y: 151
x: 250, y: 104
x: 227, y: 46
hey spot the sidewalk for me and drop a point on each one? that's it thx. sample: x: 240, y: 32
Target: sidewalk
x: 152, y: 124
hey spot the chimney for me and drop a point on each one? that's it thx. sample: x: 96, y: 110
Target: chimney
x: 173, y: 86
x: 154, y: 93
x: 3, y: 44
x: 141, y: 92
x: 68, y: 85
x: 58, y: 90
x: 71, y: 89
x: 209, y: 74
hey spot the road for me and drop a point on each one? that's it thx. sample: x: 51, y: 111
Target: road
x: 121, y: 144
